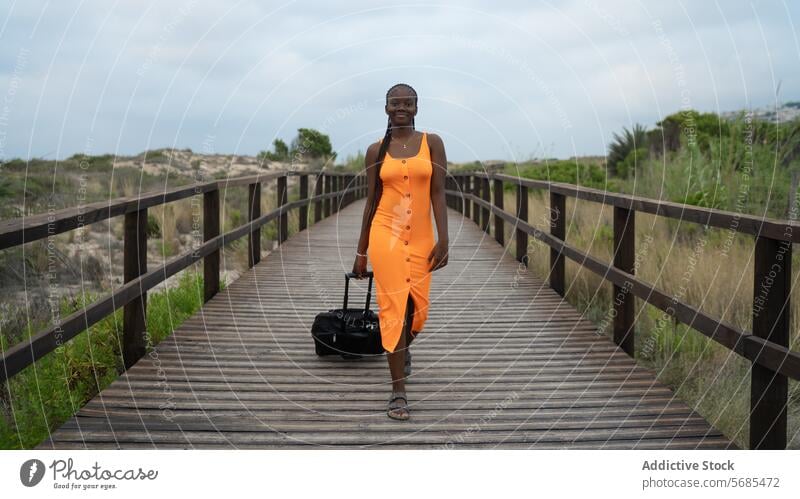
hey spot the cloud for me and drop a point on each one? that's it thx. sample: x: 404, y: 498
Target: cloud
x: 495, y: 80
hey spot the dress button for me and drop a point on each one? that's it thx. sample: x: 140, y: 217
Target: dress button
x: 404, y: 161
x: 408, y: 226
x: 406, y: 243
x: 405, y: 177
x: 408, y: 280
x: 408, y: 259
x: 408, y: 194
x: 408, y: 211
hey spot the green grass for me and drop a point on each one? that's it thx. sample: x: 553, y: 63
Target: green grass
x: 567, y: 171
x: 49, y: 392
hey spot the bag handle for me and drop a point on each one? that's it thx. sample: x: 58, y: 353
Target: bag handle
x: 347, y: 277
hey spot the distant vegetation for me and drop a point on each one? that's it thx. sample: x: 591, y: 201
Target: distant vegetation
x: 308, y: 146
x: 742, y: 165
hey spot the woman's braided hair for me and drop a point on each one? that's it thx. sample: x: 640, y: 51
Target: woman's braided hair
x: 385, y: 146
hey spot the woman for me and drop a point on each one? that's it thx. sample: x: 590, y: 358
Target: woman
x: 397, y: 231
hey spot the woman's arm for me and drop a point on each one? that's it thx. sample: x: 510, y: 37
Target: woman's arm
x: 369, y: 210
x: 439, y: 163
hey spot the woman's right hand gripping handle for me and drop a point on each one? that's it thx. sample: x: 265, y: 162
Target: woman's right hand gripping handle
x: 360, y: 266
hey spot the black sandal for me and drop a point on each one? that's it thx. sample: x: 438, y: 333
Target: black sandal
x: 398, y: 410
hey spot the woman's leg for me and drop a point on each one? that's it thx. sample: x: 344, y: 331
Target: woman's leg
x: 410, y: 321
x: 397, y: 359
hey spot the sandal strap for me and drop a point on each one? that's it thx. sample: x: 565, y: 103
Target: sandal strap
x: 398, y: 397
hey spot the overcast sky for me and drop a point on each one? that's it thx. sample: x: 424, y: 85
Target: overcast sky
x: 496, y: 79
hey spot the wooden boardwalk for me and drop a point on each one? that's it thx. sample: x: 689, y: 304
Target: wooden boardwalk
x: 495, y: 367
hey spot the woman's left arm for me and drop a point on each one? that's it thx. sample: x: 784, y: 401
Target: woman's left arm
x: 438, y: 256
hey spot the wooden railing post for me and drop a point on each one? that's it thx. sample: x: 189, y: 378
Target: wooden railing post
x: 283, y: 219
x: 254, y: 211
x: 457, y: 188
x: 467, y: 189
x: 350, y: 184
x: 769, y: 390
x: 210, y: 231
x: 476, y: 191
x: 463, y: 186
x: 449, y: 185
x: 328, y: 181
x: 486, y: 195
x: 558, y: 228
x: 456, y: 201
x: 522, y: 214
x: 624, y: 259
x: 303, y: 195
x: 499, y: 227
x: 134, y: 316
x: 318, y: 186
x: 448, y: 199
x: 335, y: 190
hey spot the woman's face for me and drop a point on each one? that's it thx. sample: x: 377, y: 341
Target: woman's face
x: 402, y: 106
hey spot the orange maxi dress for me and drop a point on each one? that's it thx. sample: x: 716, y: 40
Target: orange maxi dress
x: 400, y: 240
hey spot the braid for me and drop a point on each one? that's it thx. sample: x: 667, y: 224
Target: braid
x: 385, y: 146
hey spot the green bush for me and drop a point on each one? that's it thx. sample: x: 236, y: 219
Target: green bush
x: 571, y: 172
x: 621, y: 147
x: 153, y: 228
x: 631, y: 163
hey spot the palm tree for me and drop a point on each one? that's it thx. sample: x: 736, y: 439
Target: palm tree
x: 622, y: 145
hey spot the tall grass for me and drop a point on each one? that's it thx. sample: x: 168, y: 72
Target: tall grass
x: 50, y: 391
x: 710, y: 269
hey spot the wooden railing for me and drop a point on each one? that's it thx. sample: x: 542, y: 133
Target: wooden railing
x: 332, y: 191
x: 766, y: 347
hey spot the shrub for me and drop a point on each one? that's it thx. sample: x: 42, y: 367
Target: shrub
x: 629, y: 165
x: 153, y: 228
x: 622, y: 145
x: 571, y: 172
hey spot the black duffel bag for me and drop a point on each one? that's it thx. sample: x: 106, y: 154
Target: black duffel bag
x: 349, y: 332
